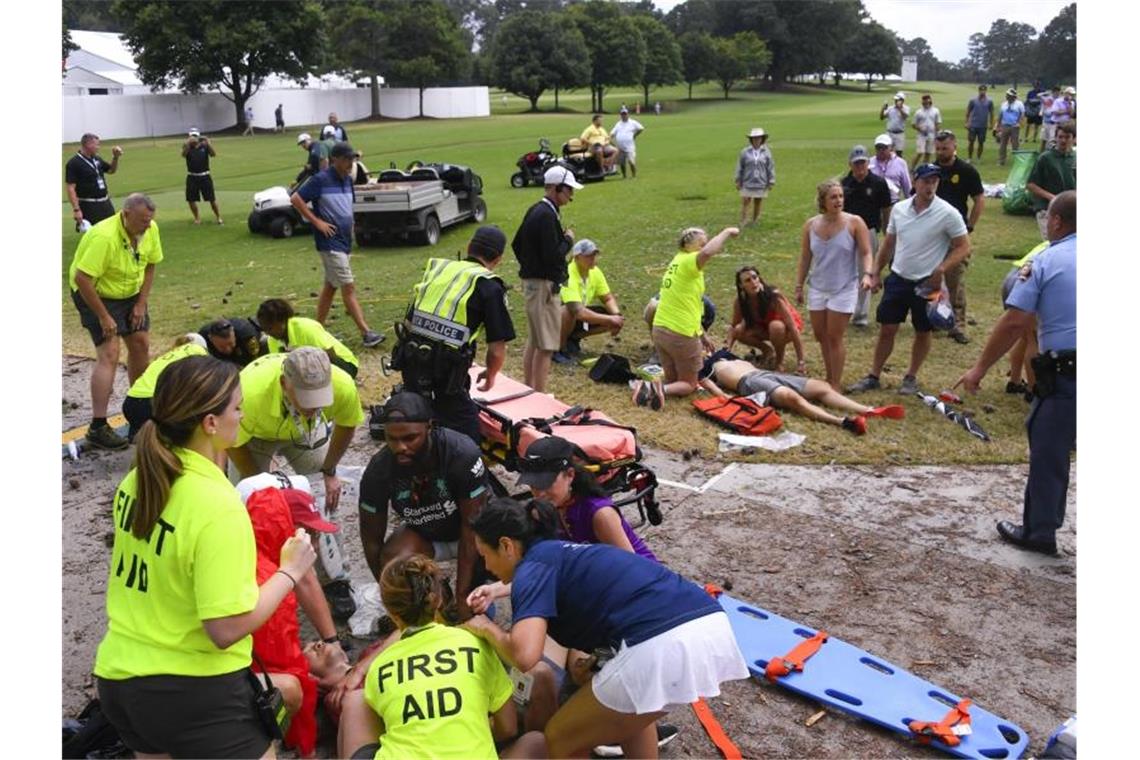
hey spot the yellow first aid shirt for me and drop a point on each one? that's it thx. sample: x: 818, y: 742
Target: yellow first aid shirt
x: 588, y: 290
x: 302, y: 331
x: 144, y: 386
x: 105, y: 254
x: 434, y: 689
x: 198, y: 563
x: 680, y: 308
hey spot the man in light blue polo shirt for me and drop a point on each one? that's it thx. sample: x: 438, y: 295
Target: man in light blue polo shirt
x: 1010, y: 117
x: 330, y: 192
x: 927, y: 237
x: 1050, y: 293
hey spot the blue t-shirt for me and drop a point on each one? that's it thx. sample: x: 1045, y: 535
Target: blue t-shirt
x: 980, y: 112
x: 331, y: 197
x: 1051, y: 294
x: 596, y: 594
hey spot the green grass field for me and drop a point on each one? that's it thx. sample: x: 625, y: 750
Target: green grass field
x: 685, y: 157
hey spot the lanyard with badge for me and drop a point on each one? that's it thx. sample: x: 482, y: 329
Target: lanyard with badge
x: 313, y: 435
x: 99, y: 181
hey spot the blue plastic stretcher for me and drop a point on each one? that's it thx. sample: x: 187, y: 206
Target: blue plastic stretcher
x: 856, y: 682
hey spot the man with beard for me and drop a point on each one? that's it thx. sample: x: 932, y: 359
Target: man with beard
x: 434, y: 480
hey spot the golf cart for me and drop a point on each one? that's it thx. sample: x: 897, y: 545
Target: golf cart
x: 533, y: 165
x: 417, y: 203
x: 273, y: 213
x: 577, y: 157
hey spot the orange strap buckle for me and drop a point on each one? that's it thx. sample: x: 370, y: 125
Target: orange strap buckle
x: 794, y: 660
x: 943, y: 730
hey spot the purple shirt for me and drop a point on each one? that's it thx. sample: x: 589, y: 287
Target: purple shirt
x: 580, y: 521
x: 897, y: 175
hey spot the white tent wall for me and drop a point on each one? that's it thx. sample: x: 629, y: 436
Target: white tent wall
x: 154, y: 115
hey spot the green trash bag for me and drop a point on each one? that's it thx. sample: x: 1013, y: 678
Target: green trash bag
x: 1018, y: 200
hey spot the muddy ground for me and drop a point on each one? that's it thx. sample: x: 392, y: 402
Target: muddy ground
x: 902, y: 562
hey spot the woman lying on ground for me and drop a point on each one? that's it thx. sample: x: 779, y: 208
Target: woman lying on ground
x: 763, y: 318
x: 673, y: 640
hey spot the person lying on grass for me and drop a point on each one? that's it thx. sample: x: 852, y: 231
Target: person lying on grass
x: 725, y: 374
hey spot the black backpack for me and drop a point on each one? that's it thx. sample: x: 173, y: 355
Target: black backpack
x: 92, y: 735
x: 612, y: 368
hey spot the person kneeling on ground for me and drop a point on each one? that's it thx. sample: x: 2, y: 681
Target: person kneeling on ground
x: 591, y: 307
x: 763, y: 319
x: 723, y: 371
x: 287, y: 331
x: 137, y: 404
x: 430, y: 693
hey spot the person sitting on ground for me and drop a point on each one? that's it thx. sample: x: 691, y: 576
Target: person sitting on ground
x: 430, y: 692
x: 137, y: 404
x: 676, y: 642
x: 677, y: 320
x: 763, y: 318
x: 597, y: 141
x: 723, y: 371
x: 591, y: 307
x: 434, y: 481
x: 173, y: 669
x: 1025, y: 349
x: 233, y: 339
x: 285, y: 331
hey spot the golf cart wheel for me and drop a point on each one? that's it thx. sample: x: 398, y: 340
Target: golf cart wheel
x: 254, y: 222
x: 479, y: 211
x: 518, y: 179
x: 281, y: 227
x: 431, y: 231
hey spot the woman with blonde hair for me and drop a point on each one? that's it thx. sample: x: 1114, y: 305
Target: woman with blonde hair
x: 835, y: 246
x: 172, y: 671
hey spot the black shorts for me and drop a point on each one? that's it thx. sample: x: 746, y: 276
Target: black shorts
x: 581, y: 329
x: 898, y: 299
x: 97, y: 211
x: 367, y: 752
x: 185, y: 716
x: 199, y: 188
x: 120, y: 309
x: 137, y: 411
x: 1033, y: 119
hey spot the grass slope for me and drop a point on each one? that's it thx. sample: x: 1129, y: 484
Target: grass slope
x: 686, y: 158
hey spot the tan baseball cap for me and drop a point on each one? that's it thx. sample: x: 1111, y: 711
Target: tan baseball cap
x: 309, y: 372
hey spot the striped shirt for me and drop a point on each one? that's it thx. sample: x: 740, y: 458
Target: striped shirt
x: 331, y: 196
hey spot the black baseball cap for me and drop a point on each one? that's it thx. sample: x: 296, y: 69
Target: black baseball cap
x: 544, y: 459
x: 406, y: 406
x: 488, y: 241
x: 342, y: 150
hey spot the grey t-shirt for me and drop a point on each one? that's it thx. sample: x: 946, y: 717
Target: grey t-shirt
x: 980, y: 112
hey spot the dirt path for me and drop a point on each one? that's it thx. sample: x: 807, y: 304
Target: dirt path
x: 903, y: 562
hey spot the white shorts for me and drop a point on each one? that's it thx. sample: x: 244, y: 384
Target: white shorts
x: 841, y: 301
x: 1048, y: 133
x: 898, y: 141
x: 924, y: 143
x: 746, y: 193
x: 672, y: 669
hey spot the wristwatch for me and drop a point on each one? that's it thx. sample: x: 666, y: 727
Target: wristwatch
x: 328, y: 472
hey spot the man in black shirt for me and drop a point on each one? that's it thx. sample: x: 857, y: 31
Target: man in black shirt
x: 86, y: 184
x: 866, y: 195
x: 541, y: 245
x: 435, y: 482
x: 197, y: 150
x: 234, y: 339
x: 959, y: 182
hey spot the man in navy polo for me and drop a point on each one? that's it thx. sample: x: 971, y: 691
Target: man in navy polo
x: 330, y: 192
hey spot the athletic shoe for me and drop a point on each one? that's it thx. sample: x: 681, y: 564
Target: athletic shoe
x: 856, y: 425
x: 573, y: 347
x: 657, y: 397
x: 560, y: 358
x: 339, y: 596
x: 959, y: 337
x: 893, y: 412
x: 1012, y: 387
x: 868, y: 383
x: 642, y: 391
x: 104, y: 437
x: 665, y: 734
x: 371, y: 338
x: 909, y: 386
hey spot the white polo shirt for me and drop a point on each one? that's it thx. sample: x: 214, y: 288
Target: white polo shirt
x: 922, y: 240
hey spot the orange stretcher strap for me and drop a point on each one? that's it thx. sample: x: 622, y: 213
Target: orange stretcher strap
x: 943, y: 730
x: 794, y: 660
x: 713, y: 728
x: 713, y: 590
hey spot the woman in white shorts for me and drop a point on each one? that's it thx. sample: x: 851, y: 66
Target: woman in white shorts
x: 833, y: 247
x: 674, y: 642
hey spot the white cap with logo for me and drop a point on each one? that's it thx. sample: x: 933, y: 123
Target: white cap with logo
x: 560, y: 175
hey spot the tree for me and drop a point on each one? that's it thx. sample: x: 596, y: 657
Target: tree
x: 90, y: 16
x: 533, y: 52
x: 617, y: 51
x: 697, y: 53
x: 1056, y: 53
x: 662, y: 54
x: 359, y: 43
x: 230, y: 47
x: 425, y: 46
x: 872, y: 51
x: 1009, y: 51
x: 742, y: 56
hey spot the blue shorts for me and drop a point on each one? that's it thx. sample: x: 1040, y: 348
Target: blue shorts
x: 898, y: 299
x: 978, y: 133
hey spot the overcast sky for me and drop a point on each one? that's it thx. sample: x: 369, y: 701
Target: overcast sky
x: 947, y: 24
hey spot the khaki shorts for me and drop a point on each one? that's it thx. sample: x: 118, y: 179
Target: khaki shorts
x: 680, y: 356
x: 337, y: 270
x: 543, y: 315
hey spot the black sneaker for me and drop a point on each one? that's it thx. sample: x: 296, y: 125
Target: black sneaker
x: 665, y: 733
x: 105, y: 437
x: 642, y: 392
x: 339, y: 596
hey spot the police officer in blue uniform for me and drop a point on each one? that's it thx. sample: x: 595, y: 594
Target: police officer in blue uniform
x: 1049, y: 291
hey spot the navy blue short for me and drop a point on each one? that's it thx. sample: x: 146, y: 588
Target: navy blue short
x: 978, y: 133
x: 199, y: 188
x: 898, y: 299
x: 119, y: 309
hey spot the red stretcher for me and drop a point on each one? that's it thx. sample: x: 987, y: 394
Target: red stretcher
x: 512, y: 416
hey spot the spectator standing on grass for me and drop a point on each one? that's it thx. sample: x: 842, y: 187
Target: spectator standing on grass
x: 624, y: 134
x: 927, y: 122
x: 1048, y: 125
x: 755, y: 175
x: 1010, y: 118
x: 925, y: 237
x: 330, y: 192
x: 866, y: 195
x: 979, y: 121
x: 279, y: 118
x: 958, y: 184
x: 111, y: 277
x: 85, y: 178
x: 198, y: 150
x: 540, y: 245
x: 896, y: 116
x: 339, y: 133
x: 1054, y: 172
x: 248, y: 121
x: 1049, y: 293
x: 1033, y: 112
x: 891, y: 168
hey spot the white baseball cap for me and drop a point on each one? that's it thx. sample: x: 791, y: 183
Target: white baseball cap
x: 194, y: 132
x: 304, y: 137
x: 883, y: 139
x: 247, y: 486
x: 560, y: 175
x: 900, y: 95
